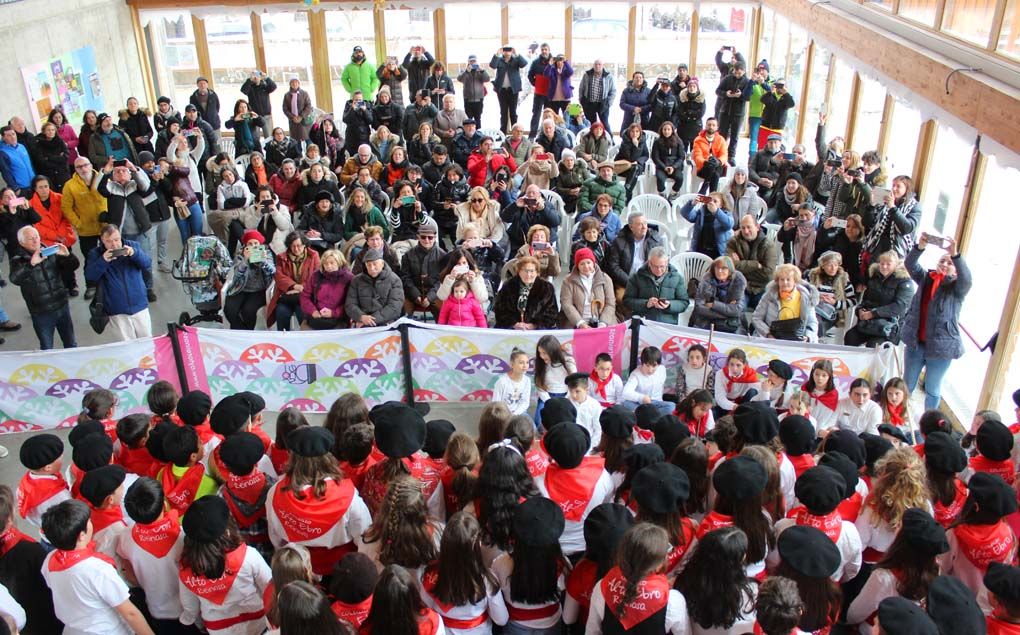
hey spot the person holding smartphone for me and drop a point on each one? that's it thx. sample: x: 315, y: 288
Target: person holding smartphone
x: 117, y: 267
x: 254, y: 270
x: 891, y: 224
x: 44, y: 293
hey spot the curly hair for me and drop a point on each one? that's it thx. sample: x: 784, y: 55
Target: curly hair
x: 503, y: 480
x: 402, y: 526
x: 900, y: 483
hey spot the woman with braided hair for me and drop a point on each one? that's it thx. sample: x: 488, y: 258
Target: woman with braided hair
x: 402, y: 532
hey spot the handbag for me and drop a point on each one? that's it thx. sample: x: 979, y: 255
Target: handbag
x: 98, y: 319
x: 183, y: 211
x: 789, y: 329
x: 876, y: 327
x: 826, y: 312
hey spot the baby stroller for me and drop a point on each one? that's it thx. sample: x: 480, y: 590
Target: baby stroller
x: 202, y: 269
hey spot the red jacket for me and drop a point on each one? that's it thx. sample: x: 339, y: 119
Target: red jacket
x: 54, y: 227
x: 477, y: 168
x: 286, y: 190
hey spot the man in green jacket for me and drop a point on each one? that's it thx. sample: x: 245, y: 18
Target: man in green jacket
x: 605, y: 183
x: 760, y: 85
x: 657, y: 292
x: 360, y: 75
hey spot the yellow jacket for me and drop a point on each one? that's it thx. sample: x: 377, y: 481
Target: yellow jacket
x: 82, y: 205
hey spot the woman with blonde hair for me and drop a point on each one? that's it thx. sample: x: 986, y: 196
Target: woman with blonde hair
x: 850, y: 193
x: 787, y: 308
x: 884, y: 303
x: 483, y: 212
x: 835, y: 291
x: 322, y: 300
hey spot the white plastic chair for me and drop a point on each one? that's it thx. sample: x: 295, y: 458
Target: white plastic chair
x: 613, y: 151
x: 653, y: 206
x: 646, y: 182
x: 692, y: 266
x: 496, y: 134
x: 227, y: 145
x: 571, y: 138
x: 772, y: 230
x: 682, y: 226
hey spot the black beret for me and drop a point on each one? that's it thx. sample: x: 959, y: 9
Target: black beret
x: 781, y: 368
x: 846, y: 468
x: 193, y: 407
x: 647, y: 416
x: 943, y: 454
x: 820, y: 489
x: 604, y: 527
x: 557, y: 410
x: 360, y: 576
x: 994, y: 440
x: 641, y: 455
x: 230, y: 415
x: 399, y: 430
x: 669, y: 432
x: 953, y: 607
x: 899, y: 616
x: 538, y: 522
x: 155, y: 443
x: 617, y: 422
x: 567, y: 444
x: 797, y: 435
x: 310, y: 441
x: 1002, y: 580
x: 437, y: 436
x: 756, y: 421
x: 241, y: 452
x: 99, y: 483
x: 39, y: 450
x: 808, y: 551
x: 992, y: 494
x: 255, y: 401
x: 206, y: 519
x: 875, y: 447
x: 92, y: 451
x: 324, y: 195
x: 82, y: 430
x: 923, y: 532
x: 849, y: 444
x: 739, y: 478
x: 661, y: 488
x: 893, y: 431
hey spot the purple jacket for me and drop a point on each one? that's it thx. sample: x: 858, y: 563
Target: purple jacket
x: 554, y: 77
x: 326, y: 291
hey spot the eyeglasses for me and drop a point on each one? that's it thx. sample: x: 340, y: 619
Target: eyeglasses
x: 478, y: 200
x: 426, y: 237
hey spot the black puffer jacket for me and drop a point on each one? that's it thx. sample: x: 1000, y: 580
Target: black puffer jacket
x: 419, y: 272
x: 330, y: 226
x: 664, y: 107
x: 621, y: 253
x: 888, y: 297
x: 49, y: 156
x: 41, y: 285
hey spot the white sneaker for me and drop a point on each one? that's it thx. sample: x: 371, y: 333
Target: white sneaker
x: 4, y: 452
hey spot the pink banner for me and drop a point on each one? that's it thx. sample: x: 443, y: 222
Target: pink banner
x: 588, y: 343
x: 191, y: 359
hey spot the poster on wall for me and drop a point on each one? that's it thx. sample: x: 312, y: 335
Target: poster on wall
x: 70, y: 80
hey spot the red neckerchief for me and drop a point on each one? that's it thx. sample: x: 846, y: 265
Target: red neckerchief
x: 35, y: 490
x: 572, y: 489
x: 652, y: 597
x: 181, y: 493
x: 173, y: 418
x: 1015, y: 428
x: 830, y: 524
x: 248, y: 488
x: 714, y: 520
x: 103, y: 518
x: 205, y: 432
x: 10, y: 539
x: 643, y: 436
x: 896, y: 414
x: 159, y: 537
x: 677, y: 550
x: 136, y: 460
x: 926, y: 297
x: 946, y: 515
x: 311, y: 517
x: 999, y: 626
x: 279, y: 458
x: 63, y: 560
x: 714, y: 460
x: 580, y: 584
x: 801, y: 463
x: 76, y: 476
x: 1005, y: 469
x: 829, y: 399
x: 600, y: 386
x: 357, y: 472
x: 749, y: 376
x: 354, y: 614
x: 429, y: 580
x: 431, y: 470
x: 450, y: 498
x: 110, y: 428
x: 984, y: 544
x: 215, y: 591
x: 696, y: 426
x: 537, y: 460
x: 263, y: 437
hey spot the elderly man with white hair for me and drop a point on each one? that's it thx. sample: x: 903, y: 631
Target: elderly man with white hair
x: 35, y: 269
x: 363, y: 158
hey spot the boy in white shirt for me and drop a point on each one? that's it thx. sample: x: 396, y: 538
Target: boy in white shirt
x: 588, y: 410
x: 103, y: 489
x: 514, y: 388
x: 646, y: 383
x: 604, y: 385
x: 859, y: 413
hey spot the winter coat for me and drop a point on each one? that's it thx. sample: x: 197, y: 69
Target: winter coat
x: 608, y: 88
x: 414, y: 117
x: 536, y: 74
x: 521, y: 153
x: 120, y: 279
x: 286, y: 277
x: 138, y: 126
x: 82, y: 204
x: 490, y: 226
x: 246, y: 143
x: 249, y: 276
x: 373, y: 218
x: 126, y: 199
x: 727, y: 307
x: 888, y: 297
x: 394, y: 81
x: 161, y: 120
x: 611, y: 225
x: 722, y: 225
x: 773, y: 115
x: 119, y: 140
x: 785, y: 210
x: 555, y: 78
x: 474, y: 81
x: 631, y: 98
x: 418, y: 70
x: 42, y: 285
x: 892, y: 228
x: 49, y: 156
x: 747, y: 203
x: 84, y: 139
x: 53, y: 226
x: 540, y: 173
x: 329, y: 225
x: 597, y: 148
x: 569, y: 179
x: 381, y: 297
x: 447, y: 191
x: 690, y: 112
x: 521, y: 220
x: 326, y: 290
x: 209, y: 138
x: 757, y: 259
x: 276, y: 226
x: 70, y: 137
x: 419, y: 272
x: 634, y: 152
x: 286, y: 190
x: 733, y: 106
x: 233, y: 196
x: 642, y: 286
x: 621, y: 253
x: 360, y: 76
x: 511, y: 67
x: 556, y: 145
x: 258, y: 94
x: 466, y: 311
x: 390, y: 114
x: 663, y: 107
x: 11, y: 223
x: 592, y: 188
x: 298, y: 130
x: 309, y: 188
x: 541, y: 309
x: 845, y: 199
x: 434, y: 84
x: 669, y: 156
x: 277, y: 152
x: 252, y: 181
x: 942, y: 327
x: 478, y: 169
x: 572, y: 298
x: 548, y: 265
x: 761, y: 166
x: 768, y: 310
x: 835, y: 239
x: 701, y: 149
x: 210, y: 113
x: 462, y: 147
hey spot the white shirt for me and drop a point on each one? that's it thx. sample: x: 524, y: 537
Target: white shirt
x: 502, y: 568
x: 572, y: 538
x: 956, y: 563
x: 881, y: 584
x: 515, y: 394
x: 107, y: 539
x: 826, y: 418
x: 857, y: 420
x: 639, y: 256
x: 11, y: 607
x: 848, y: 543
x: 348, y: 528
x: 724, y: 398
x: 156, y: 576
x: 85, y: 597
x: 639, y: 385
x: 35, y: 515
x: 677, y: 622
x: 492, y: 604
x: 556, y: 378
x: 244, y: 596
x: 588, y: 413
x: 614, y: 390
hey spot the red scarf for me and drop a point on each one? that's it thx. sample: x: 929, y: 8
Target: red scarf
x: 1005, y: 469
x: 537, y: 459
x: 830, y: 524
x: 652, y: 597
x: 310, y: 517
x: 580, y: 584
x: 896, y: 414
x: 984, y: 544
x: 247, y: 488
x: 181, y: 493
x: 431, y: 470
x: 279, y: 457
x: 215, y: 591
x: 137, y: 460
x: 926, y: 297
x: 801, y: 463
x: 999, y: 626
x: 263, y: 437
x: 10, y: 539
x: 572, y: 489
x: 356, y: 473
x: 749, y: 376
x: 946, y: 515
x: 159, y: 537
x: 713, y: 461
x: 173, y: 418
x: 205, y: 432
x: 110, y: 428
x: 714, y: 520
x: 77, y: 474
x: 829, y: 399
x: 678, y: 550
x: 35, y: 490
x: 696, y: 426
x: 600, y: 386
x: 103, y: 518
x: 63, y: 560
x: 355, y: 614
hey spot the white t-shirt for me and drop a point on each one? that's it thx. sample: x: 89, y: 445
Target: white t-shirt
x: 11, y: 607
x: 515, y: 394
x: 85, y: 597
x: 572, y: 538
x: 588, y: 413
x: 556, y: 378
x: 639, y: 385
x: 156, y: 576
x: 614, y: 390
x: 244, y: 596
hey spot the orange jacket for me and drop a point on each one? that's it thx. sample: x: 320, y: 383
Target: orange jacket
x: 701, y: 150
x: 54, y: 227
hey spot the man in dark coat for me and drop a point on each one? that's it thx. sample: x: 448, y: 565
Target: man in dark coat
x: 629, y: 251
x: 257, y: 89
x: 42, y: 287
x: 418, y: 63
x: 508, y: 65
x: 537, y: 78
x: 733, y: 94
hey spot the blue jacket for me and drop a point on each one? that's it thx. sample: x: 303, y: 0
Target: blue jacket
x: 554, y: 78
x: 120, y: 279
x: 635, y: 97
x: 942, y: 328
x: 502, y: 66
x: 16, y: 166
x: 611, y: 224
x: 723, y: 227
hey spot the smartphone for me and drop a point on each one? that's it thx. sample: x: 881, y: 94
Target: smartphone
x: 839, y: 223
x: 539, y: 246
x: 257, y: 255
x: 460, y: 270
x: 407, y: 200
x: 530, y: 202
x: 834, y: 163
x: 117, y: 253
x: 52, y: 250
x: 789, y: 156
x: 938, y: 241
x: 878, y: 195
x: 727, y: 48
x: 157, y: 169
x: 391, y: 59
x: 544, y: 156
x: 18, y: 202
x: 702, y: 198
x: 120, y: 163
x: 853, y: 173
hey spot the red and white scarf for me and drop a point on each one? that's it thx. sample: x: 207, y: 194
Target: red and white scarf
x: 999, y: 626
x: 215, y: 591
x: 181, y: 493
x: 984, y: 544
x: 801, y: 463
x: 63, y: 560
x: 355, y: 614
x: 10, y: 538
x: 159, y: 537
x: 652, y: 597
x: 945, y: 515
x: 850, y: 508
x: 33, y: 490
x: 572, y: 489
x: 311, y: 517
x: 749, y: 376
x: 830, y: 524
x: 714, y: 520
x: 1005, y: 469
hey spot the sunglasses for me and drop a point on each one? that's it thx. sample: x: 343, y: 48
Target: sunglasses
x: 478, y: 200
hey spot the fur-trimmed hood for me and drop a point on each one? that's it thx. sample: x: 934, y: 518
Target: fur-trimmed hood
x: 900, y: 271
x: 123, y: 113
x: 685, y: 96
x: 329, y: 176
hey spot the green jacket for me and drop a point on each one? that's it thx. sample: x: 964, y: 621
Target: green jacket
x: 375, y: 217
x: 641, y: 287
x: 754, y: 106
x: 360, y: 77
x: 591, y: 189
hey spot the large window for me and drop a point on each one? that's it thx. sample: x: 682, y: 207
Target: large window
x: 288, y: 51
x: 663, y: 37
x: 174, y: 60
x: 970, y: 21
x: 721, y: 25
x: 881, y: 4
x: 406, y: 28
x: 922, y: 11
x: 869, y: 115
x: 344, y: 31
x: 600, y: 32
x: 946, y: 180
x: 232, y: 55
x: 776, y: 53
x: 1009, y: 35
x: 474, y: 29
x: 839, y: 109
x: 816, y: 92
x: 903, y: 135
x: 795, y: 77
